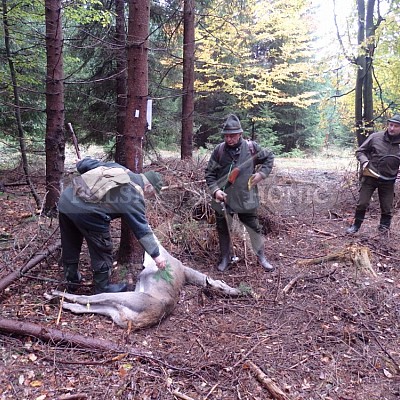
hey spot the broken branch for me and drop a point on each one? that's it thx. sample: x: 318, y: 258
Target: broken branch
x: 273, y: 389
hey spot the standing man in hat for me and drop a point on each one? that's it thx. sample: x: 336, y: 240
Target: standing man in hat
x: 90, y: 220
x: 235, y: 168
x: 379, y: 157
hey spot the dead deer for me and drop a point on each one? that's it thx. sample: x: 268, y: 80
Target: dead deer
x: 153, y: 298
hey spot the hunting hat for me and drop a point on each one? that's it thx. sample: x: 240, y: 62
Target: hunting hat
x: 155, y: 179
x: 395, y: 119
x: 232, y: 125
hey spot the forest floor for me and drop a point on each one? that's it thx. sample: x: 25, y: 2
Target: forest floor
x: 324, y: 325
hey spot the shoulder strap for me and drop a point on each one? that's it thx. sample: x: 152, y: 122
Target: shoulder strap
x: 221, y: 146
x: 250, y: 143
x: 220, y: 151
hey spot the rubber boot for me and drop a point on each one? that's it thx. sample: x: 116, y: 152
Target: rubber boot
x: 354, y: 227
x: 384, y: 224
x: 225, y: 250
x: 358, y: 220
x: 72, y: 276
x: 263, y: 261
x: 102, y: 283
x: 257, y: 243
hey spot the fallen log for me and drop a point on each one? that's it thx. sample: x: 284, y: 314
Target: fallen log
x: 10, y: 278
x: 155, y: 296
x: 56, y: 336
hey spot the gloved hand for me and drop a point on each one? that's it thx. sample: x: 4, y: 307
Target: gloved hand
x: 161, y: 262
x: 255, y: 179
x: 365, y: 164
x: 220, y: 195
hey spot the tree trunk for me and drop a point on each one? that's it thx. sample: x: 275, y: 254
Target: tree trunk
x: 120, y: 40
x: 55, y: 139
x: 364, y: 119
x: 135, y: 122
x: 17, y: 107
x: 188, y: 79
x: 360, y: 63
x: 130, y: 251
x: 368, y: 83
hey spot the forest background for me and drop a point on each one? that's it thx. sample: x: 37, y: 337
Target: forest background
x: 296, y: 87
x: 307, y: 78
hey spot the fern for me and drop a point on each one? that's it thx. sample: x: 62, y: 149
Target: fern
x: 164, y: 274
x: 245, y: 289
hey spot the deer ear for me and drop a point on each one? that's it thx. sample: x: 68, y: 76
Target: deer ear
x: 149, y: 190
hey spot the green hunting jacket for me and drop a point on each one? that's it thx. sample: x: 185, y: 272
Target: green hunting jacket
x: 123, y: 202
x: 239, y: 198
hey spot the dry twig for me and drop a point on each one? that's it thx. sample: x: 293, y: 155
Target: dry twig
x: 273, y: 389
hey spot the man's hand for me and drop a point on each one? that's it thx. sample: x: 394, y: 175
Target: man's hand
x: 220, y: 195
x: 161, y: 262
x: 365, y: 164
x: 255, y: 179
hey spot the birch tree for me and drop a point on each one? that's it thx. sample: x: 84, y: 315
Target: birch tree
x: 248, y: 56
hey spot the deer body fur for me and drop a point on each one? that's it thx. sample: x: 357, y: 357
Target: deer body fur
x: 153, y: 298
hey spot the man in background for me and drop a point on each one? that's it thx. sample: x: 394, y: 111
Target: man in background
x: 379, y: 158
x: 235, y: 168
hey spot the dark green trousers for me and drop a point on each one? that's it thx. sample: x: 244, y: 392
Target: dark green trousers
x: 99, y: 244
x: 385, y: 193
x: 250, y: 222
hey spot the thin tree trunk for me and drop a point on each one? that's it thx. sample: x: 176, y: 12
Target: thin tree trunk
x: 188, y: 79
x: 368, y: 82
x: 120, y: 41
x: 364, y: 105
x: 360, y: 63
x: 55, y: 139
x: 17, y: 112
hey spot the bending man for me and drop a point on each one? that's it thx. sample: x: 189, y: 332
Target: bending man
x: 80, y: 219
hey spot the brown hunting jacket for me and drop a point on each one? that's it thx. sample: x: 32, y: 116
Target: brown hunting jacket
x: 383, y: 153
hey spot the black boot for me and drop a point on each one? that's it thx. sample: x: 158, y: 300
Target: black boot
x: 263, y: 261
x: 225, y: 250
x: 72, y: 276
x: 384, y: 224
x: 102, y: 283
x: 355, y: 227
x: 358, y: 220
